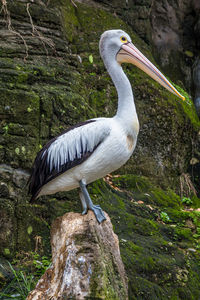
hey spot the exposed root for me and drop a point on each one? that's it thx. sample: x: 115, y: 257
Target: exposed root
x: 38, y: 243
x: 186, y: 185
x: 73, y: 3
x: 35, y: 32
x: 45, y: 41
x: 6, y: 12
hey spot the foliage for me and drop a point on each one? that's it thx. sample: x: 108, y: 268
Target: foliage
x: 164, y: 217
x: 91, y: 58
x: 186, y: 200
x: 40, y: 264
x: 148, y: 246
x: 50, y: 97
x: 24, y: 281
x: 19, y: 287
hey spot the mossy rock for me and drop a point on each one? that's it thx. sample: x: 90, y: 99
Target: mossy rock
x: 161, y: 259
x: 56, y: 86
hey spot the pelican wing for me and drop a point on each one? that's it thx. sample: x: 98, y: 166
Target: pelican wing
x: 66, y: 151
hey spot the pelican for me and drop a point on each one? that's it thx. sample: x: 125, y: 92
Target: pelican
x: 92, y: 149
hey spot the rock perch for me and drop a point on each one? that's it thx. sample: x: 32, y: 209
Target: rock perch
x: 86, y: 261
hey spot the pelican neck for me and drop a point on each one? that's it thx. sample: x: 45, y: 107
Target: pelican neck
x: 126, y: 106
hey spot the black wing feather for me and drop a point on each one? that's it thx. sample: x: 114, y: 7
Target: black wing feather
x: 41, y: 173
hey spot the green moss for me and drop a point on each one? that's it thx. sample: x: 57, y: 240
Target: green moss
x: 70, y: 21
x: 149, y: 247
x: 165, y: 199
x: 110, y: 288
x: 182, y: 233
x: 44, y: 97
x: 133, y: 182
x: 22, y: 77
x: 133, y: 248
x: 189, y: 108
x: 177, y: 215
x: 195, y: 201
x: 7, y: 251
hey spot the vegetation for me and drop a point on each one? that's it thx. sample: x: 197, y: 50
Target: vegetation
x: 45, y: 92
x: 186, y: 200
x: 153, y: 241
x: 25, y: 277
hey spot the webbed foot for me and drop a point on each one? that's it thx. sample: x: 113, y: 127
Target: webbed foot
x: 99, y: 214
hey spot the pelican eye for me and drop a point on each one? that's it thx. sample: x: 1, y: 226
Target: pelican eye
x: 123, y: 39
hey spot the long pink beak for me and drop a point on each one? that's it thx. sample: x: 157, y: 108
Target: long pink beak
x: 130, y: 54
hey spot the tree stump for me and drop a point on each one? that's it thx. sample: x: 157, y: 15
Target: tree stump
x: 86, y: 261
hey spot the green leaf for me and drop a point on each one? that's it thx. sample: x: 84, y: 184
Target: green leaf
x: 17, y: 151
x: 164, y: 217
x: 30, y: 230
x: 91, y: 59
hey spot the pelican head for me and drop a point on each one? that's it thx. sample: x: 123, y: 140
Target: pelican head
x: 117, y: 45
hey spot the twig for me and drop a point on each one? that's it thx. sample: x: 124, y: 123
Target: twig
x: 73, y: 3
x: 35, y: 32
x: 4, y: 8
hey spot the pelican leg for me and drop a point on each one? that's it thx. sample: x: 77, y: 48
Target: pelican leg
x: 95, y: 208
x: 84, y: 204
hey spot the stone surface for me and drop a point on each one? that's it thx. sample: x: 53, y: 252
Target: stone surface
x: 53, y: 86
x: 196, y: 79
x: 175, y: 38
x: 171, y: 27
x: 86, y: 262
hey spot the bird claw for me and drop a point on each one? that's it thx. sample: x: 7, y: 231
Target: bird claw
x: 99, y: 214
x: 97, y: 206
x: 84, y: 212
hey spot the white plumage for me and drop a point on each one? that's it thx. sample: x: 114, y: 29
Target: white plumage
x: 99, y: 146
x: 71, y: 144
x: 112, y: 153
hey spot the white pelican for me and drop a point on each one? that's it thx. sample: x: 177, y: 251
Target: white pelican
x: 96, y: 147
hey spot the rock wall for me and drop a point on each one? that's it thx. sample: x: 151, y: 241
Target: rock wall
x: 171, y: 27
x: 47, y: 83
